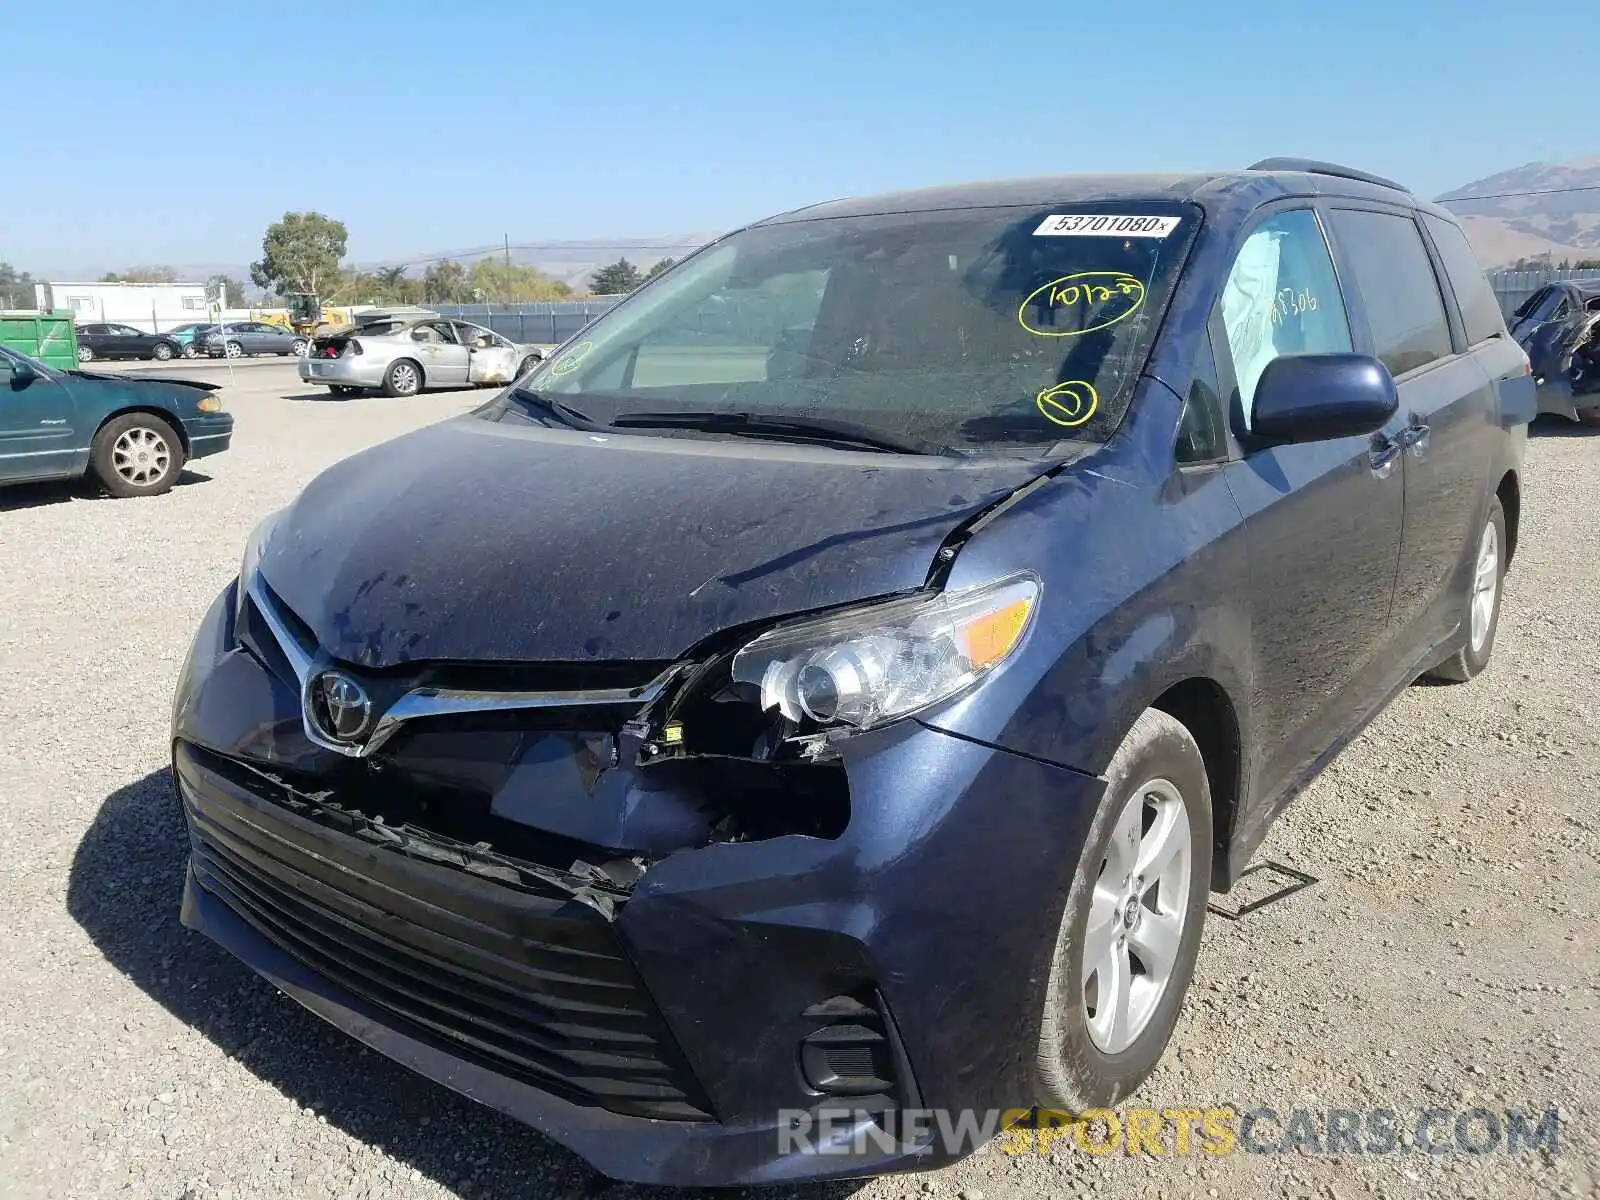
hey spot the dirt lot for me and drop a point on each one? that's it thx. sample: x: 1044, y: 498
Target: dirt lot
x: 1447, y: 958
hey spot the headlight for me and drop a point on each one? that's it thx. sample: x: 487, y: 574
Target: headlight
x: 869, y: 665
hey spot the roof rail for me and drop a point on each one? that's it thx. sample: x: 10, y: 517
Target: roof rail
x: 1312, y: 166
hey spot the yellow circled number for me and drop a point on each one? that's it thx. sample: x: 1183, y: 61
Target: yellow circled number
x: 1071, y: 403
x: 1105, y: 297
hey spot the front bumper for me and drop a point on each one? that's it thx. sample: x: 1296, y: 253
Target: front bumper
x: 938, y: 904
x: 209, y: 435
x: 348, y: 370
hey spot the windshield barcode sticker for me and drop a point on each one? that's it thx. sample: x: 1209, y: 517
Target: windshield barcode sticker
x: 1092, y: 225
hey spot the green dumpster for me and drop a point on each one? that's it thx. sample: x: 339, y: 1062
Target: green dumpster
x: 47, y: 336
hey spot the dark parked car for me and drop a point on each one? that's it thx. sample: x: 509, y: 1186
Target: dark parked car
x: 244, y: 338
x: 124, y: 341
x: 1559, y: 327
x: 835, y: 682
x: 133, y: 435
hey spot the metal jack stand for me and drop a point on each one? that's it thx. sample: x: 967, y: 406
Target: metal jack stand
x: 1297, y: 881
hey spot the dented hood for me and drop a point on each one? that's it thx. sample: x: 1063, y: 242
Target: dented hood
x: 477, y: 541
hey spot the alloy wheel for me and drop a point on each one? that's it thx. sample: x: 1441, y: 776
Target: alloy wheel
x: 404, y: 377
x: 141, y: 456
x: 1485, y: 585
x: 1136, y: 916
x: 85, y: 354
x: 235, y: 350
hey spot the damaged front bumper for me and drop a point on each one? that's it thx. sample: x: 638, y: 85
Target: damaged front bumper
x: 661, y: 1007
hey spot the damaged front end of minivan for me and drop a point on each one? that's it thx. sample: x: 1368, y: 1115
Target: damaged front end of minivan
x: 674, y: 900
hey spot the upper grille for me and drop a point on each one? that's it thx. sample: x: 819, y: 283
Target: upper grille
x: 531, y: 986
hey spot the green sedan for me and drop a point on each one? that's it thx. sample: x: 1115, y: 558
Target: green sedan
x: 132, y: 435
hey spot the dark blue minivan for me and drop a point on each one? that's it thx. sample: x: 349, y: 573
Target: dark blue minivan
x: 825, y: 692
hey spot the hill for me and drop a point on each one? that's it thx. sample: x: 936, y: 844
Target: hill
x: 1558, y: 221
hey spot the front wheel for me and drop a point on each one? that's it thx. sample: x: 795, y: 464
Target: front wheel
x: 85, y: 354
x: 1482, y: 615
x: 1131, y: 929
x: 297, y: 347
x: 403, y: 378
x: 162, y: 352
x: 189, y: 351
x: 137, y: 454
x: 234, y: 350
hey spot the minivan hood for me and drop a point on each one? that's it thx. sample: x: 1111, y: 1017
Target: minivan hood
x: 480, y: 541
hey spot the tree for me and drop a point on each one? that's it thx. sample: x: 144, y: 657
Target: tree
x: 230, y: 290
x: 16, y: 287
x: 617, y: 279
x: 142, y: 275
x: 446, y: 283
x: 659, y: 267
x: 498, y: 281
x: 300, y: 253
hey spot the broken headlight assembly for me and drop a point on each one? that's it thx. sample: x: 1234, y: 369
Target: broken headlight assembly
x: 862, y: 667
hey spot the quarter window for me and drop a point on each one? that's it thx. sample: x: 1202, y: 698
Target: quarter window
x: 1480, y: 311
x: 1281, y: 297
x: 1398, y: 287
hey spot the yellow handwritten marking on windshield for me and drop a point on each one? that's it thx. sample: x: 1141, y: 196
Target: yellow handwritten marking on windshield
x: 569, y: 361
x: 1070, y: 403
x: 1104, y: 297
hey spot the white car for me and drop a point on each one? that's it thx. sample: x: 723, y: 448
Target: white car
x: 400, y: 356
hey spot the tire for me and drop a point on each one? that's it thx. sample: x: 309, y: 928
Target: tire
x: 162, y: 352
x: 297, y: 347
x: 403, y: 378
x: 85, y: 354
x: 1084, y: 1060
x: 1480, y: 619
x: 233, y: 350
x: 527, y: 365
x: 114, y: 455
x: 189, y: 351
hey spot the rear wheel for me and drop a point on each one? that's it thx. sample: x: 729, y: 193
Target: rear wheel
x: 1482, y: 616
x: 403, y: 378
x: 136, y: 454
x: 1131, y: 930
x: 162, y: 352
x: 85, y: 354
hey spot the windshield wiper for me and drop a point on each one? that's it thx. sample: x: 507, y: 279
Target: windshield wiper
x: 564, y: 413
x: 796, y: 428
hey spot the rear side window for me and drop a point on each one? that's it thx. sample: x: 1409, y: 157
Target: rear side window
x: 1396, y: 279
x: 1480, y: 311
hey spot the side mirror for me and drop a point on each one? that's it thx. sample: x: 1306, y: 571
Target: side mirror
x: 22, y: 374
x: 1318, y: 397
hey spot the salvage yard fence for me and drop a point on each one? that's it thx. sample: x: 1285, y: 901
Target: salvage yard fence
x: 540, y: 322
x: 1511, y: 288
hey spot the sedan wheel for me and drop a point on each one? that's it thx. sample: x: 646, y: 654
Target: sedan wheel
x: 162, y: 352
x: 137, y: 454
x: 85, y: 354
x: 235, y: 350
x: 298, y: 346
x: 404, y: 378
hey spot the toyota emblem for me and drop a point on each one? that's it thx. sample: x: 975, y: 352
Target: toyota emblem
x: 340, y: 707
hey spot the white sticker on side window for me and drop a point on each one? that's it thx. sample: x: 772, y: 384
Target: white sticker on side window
x: 1093, y: 225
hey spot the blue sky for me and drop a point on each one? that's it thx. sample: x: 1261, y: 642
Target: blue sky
x: 175, y: 134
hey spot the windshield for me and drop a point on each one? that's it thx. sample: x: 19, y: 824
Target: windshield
x: 971, y: 329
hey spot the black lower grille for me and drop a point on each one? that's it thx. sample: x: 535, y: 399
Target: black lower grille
x: 531, y: 986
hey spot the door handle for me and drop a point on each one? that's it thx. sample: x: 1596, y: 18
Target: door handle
x: 1385, y: 450
x: 1415, y: 438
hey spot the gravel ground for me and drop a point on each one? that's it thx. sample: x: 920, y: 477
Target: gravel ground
x: 1447, y: 957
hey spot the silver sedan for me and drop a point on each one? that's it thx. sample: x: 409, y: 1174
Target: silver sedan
x: 400, y: 357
